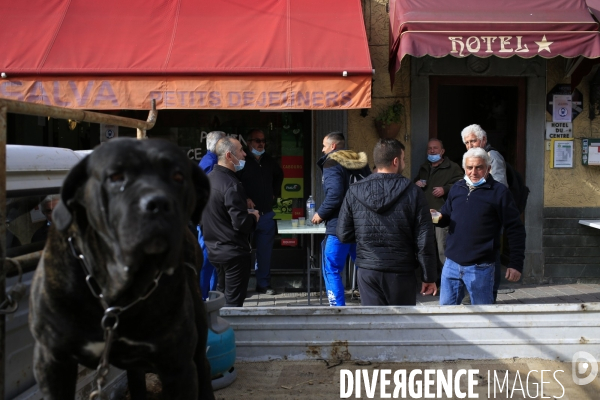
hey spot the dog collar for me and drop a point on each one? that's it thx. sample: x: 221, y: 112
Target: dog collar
x: 97, y: 292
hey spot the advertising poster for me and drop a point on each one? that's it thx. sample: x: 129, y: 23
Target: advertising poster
x: 562, y: 108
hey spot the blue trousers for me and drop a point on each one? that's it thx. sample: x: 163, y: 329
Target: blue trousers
x: 208, y: 273
x: 477, y: 279
x: 264, y: 235
x: 335, y: 254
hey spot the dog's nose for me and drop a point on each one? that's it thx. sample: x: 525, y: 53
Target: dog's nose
x: 154, y: 204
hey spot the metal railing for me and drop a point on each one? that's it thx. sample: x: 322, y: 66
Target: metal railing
x: 20, y: 107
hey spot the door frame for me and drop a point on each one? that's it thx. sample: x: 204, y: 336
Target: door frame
x: 519, y: 82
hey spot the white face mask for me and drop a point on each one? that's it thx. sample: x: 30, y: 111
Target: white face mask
x: 474, y: 184
x: 239, y: 166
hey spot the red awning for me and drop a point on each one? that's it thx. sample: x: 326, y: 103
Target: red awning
x: 523, y: 28
x: 65, y: 49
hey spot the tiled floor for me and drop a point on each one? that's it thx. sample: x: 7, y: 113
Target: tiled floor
x: 514, y: 294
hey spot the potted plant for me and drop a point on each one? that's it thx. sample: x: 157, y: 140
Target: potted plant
x: 388, y: 121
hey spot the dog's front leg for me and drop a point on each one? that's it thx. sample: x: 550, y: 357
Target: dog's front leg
x: 56, y: 379
x: 136, y: 380
x: 179, y: 383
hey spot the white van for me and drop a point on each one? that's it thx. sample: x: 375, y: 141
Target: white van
x: 32, y: 174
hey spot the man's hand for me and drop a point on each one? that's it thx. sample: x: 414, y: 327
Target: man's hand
x: 429, y: 289
x: 512, y: 275
x: 250, y: 203
x: 256, y: 214
x: 316, y: 219
x: 438, y: 191
x: 420, y: 184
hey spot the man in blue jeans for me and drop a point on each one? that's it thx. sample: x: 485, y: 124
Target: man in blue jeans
x: 340, y: 168
x: 477, y: 209
x: 261, y: 178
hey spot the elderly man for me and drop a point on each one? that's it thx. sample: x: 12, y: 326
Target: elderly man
x: 340, y: 168
x: 388, y: 218
x: 261, y: 178
x: 474, y: 136
x: 477, y: 209
x: 227, y: 223
x: 208, y: 274
x: 436, y: 176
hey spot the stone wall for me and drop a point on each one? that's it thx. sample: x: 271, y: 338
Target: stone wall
x: 578, y: 186
x: 362, y: 135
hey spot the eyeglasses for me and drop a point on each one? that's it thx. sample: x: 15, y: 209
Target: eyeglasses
x: 259, y: 140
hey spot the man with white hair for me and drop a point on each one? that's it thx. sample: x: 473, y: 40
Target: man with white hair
x: 477, y: 209
x: 208, y: 274
x: 474, y: 136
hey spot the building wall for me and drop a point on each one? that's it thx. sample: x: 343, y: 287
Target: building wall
x: 578, y: 186
x: 362, y: 135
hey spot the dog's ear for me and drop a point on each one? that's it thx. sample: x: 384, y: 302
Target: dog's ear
x: 62, y: 216
x: 202, y: 191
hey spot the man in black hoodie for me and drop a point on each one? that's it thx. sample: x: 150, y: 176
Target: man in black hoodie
x: 389, y: 219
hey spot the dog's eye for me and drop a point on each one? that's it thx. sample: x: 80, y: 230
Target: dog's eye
x: 117, y: 177
x: 178, y: 177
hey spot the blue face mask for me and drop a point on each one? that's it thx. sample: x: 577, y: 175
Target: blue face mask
x: 474, y: 184
x: 434, y: 157
x: 257, y: 153
x: 241, y: 164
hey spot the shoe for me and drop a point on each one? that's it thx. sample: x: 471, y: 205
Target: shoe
x: 266, y: 290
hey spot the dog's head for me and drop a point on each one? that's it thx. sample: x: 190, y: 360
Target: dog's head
x: 130, y: 201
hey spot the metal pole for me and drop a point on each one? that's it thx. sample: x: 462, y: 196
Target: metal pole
x: 21, y: 107
x: 3, y: 110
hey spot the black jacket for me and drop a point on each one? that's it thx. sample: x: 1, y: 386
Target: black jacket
x: 476, y: 218
x: 262, y: 180
x: 389, y: 219
x: 226, y: 224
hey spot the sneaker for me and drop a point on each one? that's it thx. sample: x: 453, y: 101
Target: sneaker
x: 266, y: 290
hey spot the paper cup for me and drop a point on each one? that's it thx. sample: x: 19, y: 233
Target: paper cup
x: 294, y: 223
x: 301, y: 221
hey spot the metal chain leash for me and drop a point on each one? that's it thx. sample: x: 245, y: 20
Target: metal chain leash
x: 16, y: 292
x: 110, y: 320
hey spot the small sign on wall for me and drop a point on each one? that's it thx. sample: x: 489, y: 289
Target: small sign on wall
x: 108, y: 132
x: 591, y: 151
x: 561, y: 153
x: 559, y: 130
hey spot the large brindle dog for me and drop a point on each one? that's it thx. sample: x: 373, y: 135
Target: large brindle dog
x: 120, y: 248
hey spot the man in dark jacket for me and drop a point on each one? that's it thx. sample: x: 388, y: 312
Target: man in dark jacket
x: 477, y: 209
x: 261, y: 178
x: 436, y: 176
x: 208, y: 273
x: 340, y: 167
x: 227, y: 223
x: 388, y: 217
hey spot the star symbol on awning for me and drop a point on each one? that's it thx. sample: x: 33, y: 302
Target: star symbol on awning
x: 544, y: 45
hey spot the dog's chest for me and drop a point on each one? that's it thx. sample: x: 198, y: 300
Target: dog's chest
x: 122, y: 348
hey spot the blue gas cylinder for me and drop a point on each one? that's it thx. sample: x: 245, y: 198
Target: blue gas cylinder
x: 220, y: 346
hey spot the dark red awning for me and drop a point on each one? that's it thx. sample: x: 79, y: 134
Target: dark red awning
x: 287, y: 46
x: 523, y: 28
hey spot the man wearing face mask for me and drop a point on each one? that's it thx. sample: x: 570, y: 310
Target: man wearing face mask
x: 262, y: 177
x: 477, y: 209
x: 227, y: 223
x: 436, y: 176
x: 388, y: 219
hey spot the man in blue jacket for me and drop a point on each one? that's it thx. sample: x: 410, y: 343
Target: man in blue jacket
x: 477, y: 209
x: 208, y: 273
x: 340, y: 168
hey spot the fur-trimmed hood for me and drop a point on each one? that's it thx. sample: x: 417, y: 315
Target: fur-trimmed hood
x: 349, y: 159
